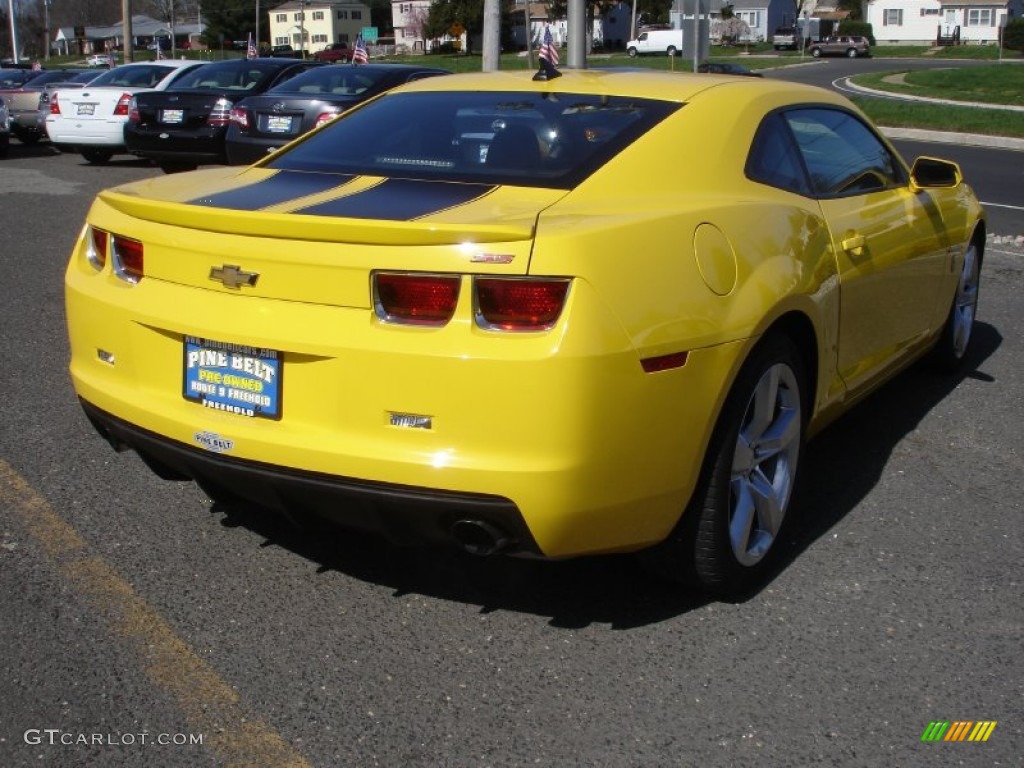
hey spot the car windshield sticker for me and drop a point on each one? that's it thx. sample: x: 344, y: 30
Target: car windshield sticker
x: 279, y: 188
x: 400, y: 200
x: 232, y: 378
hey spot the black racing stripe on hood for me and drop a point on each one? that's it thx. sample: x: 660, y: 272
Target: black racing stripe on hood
x: 279, y: 188
x: 400, y: 200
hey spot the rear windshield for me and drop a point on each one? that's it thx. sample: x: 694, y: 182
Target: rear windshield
x: 133, y: 76
x: 528, y: 139
x: 240, y: 75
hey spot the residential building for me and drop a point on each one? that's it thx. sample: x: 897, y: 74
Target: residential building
x: 310, y: 25
x: 924, y: 22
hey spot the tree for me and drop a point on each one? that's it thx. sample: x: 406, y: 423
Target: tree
x: 230, y: 20
x: 1013, y: 35
x: 445, y: 14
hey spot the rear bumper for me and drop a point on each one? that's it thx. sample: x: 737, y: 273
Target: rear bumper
x: 250, y: 150
x: 198, y: 148
x: 403, y: 515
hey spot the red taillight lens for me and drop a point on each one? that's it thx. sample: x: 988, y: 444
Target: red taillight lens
x: 128, y: 260
x: 221, y: 113
x: 240, y: 117
x: 418, y: 299
x: 54, y: 105
x: 325, y: 117
x: 123, y: 104
x: 96, y: 247
x: 519, y: 304
x: 133, y: 111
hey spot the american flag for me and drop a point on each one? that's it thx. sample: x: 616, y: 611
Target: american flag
x: 250, y: 52
x: 548, y: 49
x: 359, y: 55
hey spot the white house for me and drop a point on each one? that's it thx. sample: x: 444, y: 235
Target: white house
x: 311, y: 25
x: 923, y: 22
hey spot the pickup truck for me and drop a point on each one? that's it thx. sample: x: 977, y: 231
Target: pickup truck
x: 334, y: 52
x: 785, y: 39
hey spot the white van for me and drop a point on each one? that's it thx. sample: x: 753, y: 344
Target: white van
x: 666, y: 41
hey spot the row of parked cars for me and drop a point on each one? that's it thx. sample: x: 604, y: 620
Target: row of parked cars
x: 181, y: 114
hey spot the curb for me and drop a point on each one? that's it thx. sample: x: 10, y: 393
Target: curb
x: 946, y: 137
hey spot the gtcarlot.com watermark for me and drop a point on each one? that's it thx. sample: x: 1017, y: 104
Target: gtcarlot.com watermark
x: 57, y: 737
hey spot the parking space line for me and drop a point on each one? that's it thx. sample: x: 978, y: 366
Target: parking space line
x: 210, y: 704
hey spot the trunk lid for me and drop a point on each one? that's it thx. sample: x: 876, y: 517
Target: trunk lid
x: 316, y: 237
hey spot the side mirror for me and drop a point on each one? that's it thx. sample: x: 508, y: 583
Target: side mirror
x: 930, y: 172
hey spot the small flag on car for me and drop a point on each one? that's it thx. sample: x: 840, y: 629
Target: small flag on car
x: 548, y: 49
x: 359, y: 55
x: 250, y: 52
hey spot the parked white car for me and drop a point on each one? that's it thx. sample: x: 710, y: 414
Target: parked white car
x: 91, y: 120
x: 98, y: 60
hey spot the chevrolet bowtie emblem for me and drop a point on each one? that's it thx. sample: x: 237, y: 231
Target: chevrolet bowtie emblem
x: 233, y: 276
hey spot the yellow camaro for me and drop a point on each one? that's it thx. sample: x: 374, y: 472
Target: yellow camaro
x: 593, y: 312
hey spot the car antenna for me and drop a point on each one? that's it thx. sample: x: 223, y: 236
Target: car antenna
x: 547, y: 71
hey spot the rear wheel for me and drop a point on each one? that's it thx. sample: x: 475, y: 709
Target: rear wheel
x: 97, y: 156
x: 177, y: 167
x: 671, y: 50
x: 956, y: 336
x: 852, y: 53
x: 732, y: 523
x: 816, y: 53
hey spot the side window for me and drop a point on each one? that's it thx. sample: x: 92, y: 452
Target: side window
x: 774, y: 159
x: 843, y: 156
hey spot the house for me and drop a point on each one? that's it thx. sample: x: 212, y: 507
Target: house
x: 925, y: 22
x: 310, y: 25
x: 86, y: 40
x: 409, y: 17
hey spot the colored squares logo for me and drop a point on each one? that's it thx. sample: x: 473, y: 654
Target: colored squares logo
x: 958, y: 730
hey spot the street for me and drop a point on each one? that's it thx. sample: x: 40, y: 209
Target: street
x: 142, y: 627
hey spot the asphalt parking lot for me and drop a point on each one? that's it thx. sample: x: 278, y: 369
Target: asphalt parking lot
x: 141, y: 626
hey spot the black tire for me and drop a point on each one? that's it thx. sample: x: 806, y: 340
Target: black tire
x: 851, y: 53
x: 177, y: 167
x: 671, y: 50
x: 816, y: 53
x: 711, y: 548
x: 28, y: 138
x: 632, y: 53
x: 5, y: 143
x: 97, y: 156
x: 954, y: 342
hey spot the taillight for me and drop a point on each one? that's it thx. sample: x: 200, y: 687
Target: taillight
x: 54, y: 105
x: 325, y: 117
x: 240, y: 117
x: 221, y: 113
x: 415, y: 298
x: 96, y: 247
x: 122, y: 105
x: 519, y: 304
x: 127, y: 258
x: 133, y: 111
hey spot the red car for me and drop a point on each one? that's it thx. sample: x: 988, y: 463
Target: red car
x: 334, y: 52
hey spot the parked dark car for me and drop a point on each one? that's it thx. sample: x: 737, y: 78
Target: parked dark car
x: 183, y: 128
x: 283, y: 52
x: 726, y: 68
x: 261, y: 124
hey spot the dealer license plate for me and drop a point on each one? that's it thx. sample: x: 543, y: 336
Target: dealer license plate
x: 86, y: 109
x: 278, y: 124
x: 233, y: 378
x: 172, y: 116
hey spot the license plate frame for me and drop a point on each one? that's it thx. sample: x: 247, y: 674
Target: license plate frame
x: 278, y: 124
x: 172, y: 116
x: 233, y: 378
x: 85, y: 110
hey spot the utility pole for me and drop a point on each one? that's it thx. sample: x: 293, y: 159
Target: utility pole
x: 492, y: 36
x: 14, y: 31
x: 126, y: 21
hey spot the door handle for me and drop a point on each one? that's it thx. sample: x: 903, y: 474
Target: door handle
x: 854, y: 245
